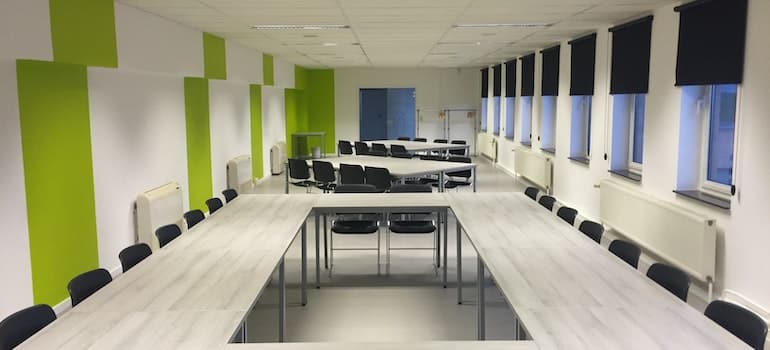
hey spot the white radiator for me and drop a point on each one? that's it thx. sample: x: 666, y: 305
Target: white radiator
x: 157, y: 207
x: 487, y: 146
x: 681, y: 237
x: 239, y: 174
x: 278, y: 158
x: 535, y: 167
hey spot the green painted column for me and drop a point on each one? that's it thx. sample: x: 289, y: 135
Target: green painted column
x: 255, y: 96
x: 214, y: 57
x: 196, y: 100
x: 321, y: 108
x: 83, y: 32
x: 267, y: 70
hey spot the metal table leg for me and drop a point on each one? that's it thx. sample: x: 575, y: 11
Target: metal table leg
x: 286, y: 174
x: 326, y: 245
x: 317, y: 253
x: 438, y: 239
x: 481, y: 301
x: 446, y: 238
x: 440, y: 182
x: 459, y: 265
x: 474, y: 179
x: 281, y: 301
x: 304, y: 263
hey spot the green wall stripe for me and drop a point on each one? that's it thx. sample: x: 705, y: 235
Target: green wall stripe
x: 300, y: 77
x: 320, y: 93
x: 214, y: 57
x: 255, y: 95
x: 296, y: 118
x: 196, y: 103
x: 59, y: 183
x: 267, y: 70
x: 83, y: 32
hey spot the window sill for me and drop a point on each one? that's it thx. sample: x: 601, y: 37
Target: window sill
x: 496, y: 133
x: 526, y: 143
x: 582, y: 160
x: 509, y: 138
x: 548, y: 150
x: 705, y: 198
x: 627, y: 174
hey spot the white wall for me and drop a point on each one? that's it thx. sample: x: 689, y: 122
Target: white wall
x: 230, y: 122
x: 273, y: 122
x: 243, y: 64
x: 283, y: 73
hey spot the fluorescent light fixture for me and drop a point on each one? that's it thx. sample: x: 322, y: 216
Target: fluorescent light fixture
x: 501, y: 25
x: 329, y: 44
x: 299, y: 26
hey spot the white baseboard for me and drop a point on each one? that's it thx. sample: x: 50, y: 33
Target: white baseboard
x: 737, y: 298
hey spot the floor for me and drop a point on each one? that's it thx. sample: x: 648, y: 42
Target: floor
x: 409, y: 304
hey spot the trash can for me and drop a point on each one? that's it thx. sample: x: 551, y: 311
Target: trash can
x: 316, y: 152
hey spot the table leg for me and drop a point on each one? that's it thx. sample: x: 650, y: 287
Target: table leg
x: 286, y: 175
x: 446, y: 238
x: 304, y: 263
x: 481, y: 300
x: 474, y: 179
x: 281, y: 301
x: 438, y: 239
x: 459, y: 265
x: 317, y: 253
x: 326, y: 245
x: 440, y: 182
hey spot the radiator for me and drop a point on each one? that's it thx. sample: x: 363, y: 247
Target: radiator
x: 682, y: 237
x: 239, y: 174
x: 487, y: 146
x: 157, y: 207
x: 278, y: 158
x: 535, y: 167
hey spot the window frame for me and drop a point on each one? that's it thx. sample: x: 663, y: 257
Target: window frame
x: 632, y: 166
x: 526, y: 101
x: 554, y: 101
x: 705, y: 185
x: 586, y: 109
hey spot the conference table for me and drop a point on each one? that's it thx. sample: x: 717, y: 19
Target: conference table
x: 414, y: 146
x: 566, y: 291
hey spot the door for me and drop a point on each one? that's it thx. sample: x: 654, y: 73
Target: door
x: 373, y: 112
x: 401, y: 107
x: 462, y: 126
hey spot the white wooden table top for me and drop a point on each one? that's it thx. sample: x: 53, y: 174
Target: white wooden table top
x: 352, y: 202
x: 399, y: 167
x: 438, y: 345
x: 568, y: 291
x: 414, y: 146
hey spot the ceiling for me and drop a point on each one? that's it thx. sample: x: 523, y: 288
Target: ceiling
x: 397, y: 33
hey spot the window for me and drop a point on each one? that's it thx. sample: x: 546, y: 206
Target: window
x: 496, y: 115
x: 636, y: 132
x: 627, y: 135
x: 719, y: 138
x: 548, y: 124
x: 526, y: 120
x: 484, y: 114
x: 580, y: 141
x: 509, y: 112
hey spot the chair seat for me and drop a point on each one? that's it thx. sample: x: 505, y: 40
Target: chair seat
x: 304, y: 183
x: 355, y: 226
x: 412, y: 226
x: 402, y: 155
x: 453, y: 184
x: 326, y: 187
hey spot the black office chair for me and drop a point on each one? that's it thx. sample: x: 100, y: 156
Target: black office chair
x: 547, y: 202
x: 214, y: 204
x: 531, y: 192
x: 355, y: 224
x: 399, y: 151
x: 420, y: 139
x: 193, y: 217
x: 593, y: 230
x: 411, y: 223
x: 229, y: 194
x: 299, y: 172
x: 403, y: 138
x: 432, y: 157
x: 379, y: 177
x: 458, y: 152
x: 463, y: 174
x: 567, y: 214
x: 378, y: 149
x: 132, y: 255
x: 23, y: 324
x: 167, y: 233
x: 440, y: 141
x: 323, y: 173
x: 626, y: 251
x: 362, y: 149
x: 739, y: 321
x: 86, y: 284
x: 351, y: 174
x: 345, y: 147
x: 671, y: 278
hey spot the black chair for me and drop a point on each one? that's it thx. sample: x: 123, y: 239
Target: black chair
x: 193, y: 217
x: 167, y: 233
x: 399, y: 151
x: 671, y: 278
x: 593, y: 230
x: 229, y: 194
x: 411, y: 223
x: 300, y: 174
x: 86, y: 284
x: 362, y: 149
x: 345, y: 147
x: 378, y: 149
x: 547, y: 202
x: 742, y: 323
x: 355, y: 224
x: 458, y: 152
x: 323, y: 173
x: 432, y: 157
x: 23, y: 324
x: 440, y: 141
x: 132, y: 255
x: 420, y: 139
x: 214, y: 204
x: 464, y: 174
x: 403, y: 138
x: 626, y: 251
x: 567, y: 214
x: 351, y: 174
x: 379, y: 177
x: 531, y: 192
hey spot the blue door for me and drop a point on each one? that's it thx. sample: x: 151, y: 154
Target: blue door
x: 387, y: 113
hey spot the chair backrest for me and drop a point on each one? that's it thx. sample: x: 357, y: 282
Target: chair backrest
x: 593, y: 230
x: 229, y: 194
x: 457, y: 152
x: 345, y: 147
x: 356, y: 188
x: 362, y: 148
x: 626, y: 251
x: 86, y: 284
x: 379, y: 177
x: 403, y: 138
x: 351, y: 174
x: 532, y: 192
x: 430, y: 157
x: 411, y: 188
x: 379, y: 147
x: 396, y: 149
x: 459, y: 142
x: 21, y: 325
x: 323, y: 172
x: 440, y: 141
x: 671, y: 278
x: 133, y: 255
x: 420, y: 139
x: 214, y: 204
x: 167, y: 233
x: 462, y: 173
x: 193, y: 217
x: 567, y: 214
x: 298, y: 169
x: 742, y: 323
x: 547, y: 202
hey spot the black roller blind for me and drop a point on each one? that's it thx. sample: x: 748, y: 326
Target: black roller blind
x: 497, y: 83
x: 712, y: 41
x: 510, y: 78
x: 484, y: 83
x: 631, y: 57
x: 583, y: 67
x: 528, y: 75
x: 550, y: 79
